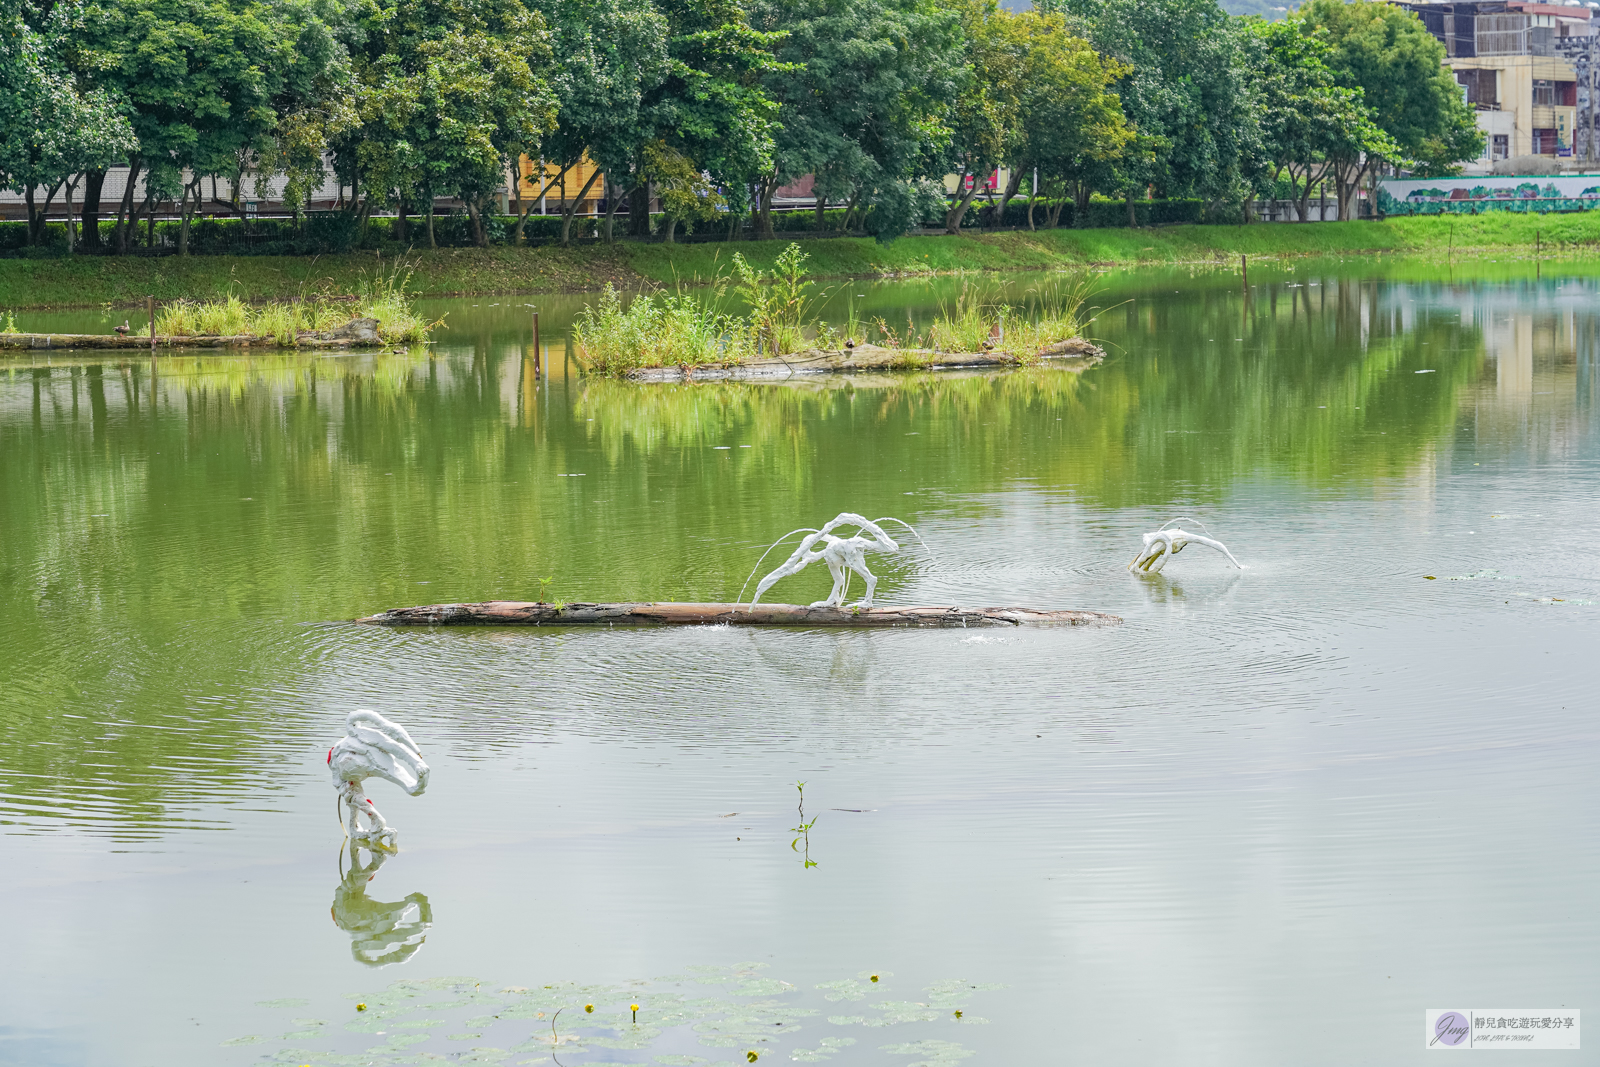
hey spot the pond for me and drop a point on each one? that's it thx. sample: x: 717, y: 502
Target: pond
x: 1271, y: 818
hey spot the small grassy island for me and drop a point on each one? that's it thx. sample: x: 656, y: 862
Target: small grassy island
x: 380, y: 314
x: 776, y: 333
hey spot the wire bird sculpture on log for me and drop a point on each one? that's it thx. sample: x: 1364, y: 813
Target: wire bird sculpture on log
x: 1161, y: 545
x: 374, y: 747
x: 841, y: 554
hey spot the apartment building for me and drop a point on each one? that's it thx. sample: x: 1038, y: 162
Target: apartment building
x: 1524, y: 68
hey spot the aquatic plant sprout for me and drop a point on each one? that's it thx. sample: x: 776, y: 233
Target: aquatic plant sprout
x: 1162, y: 544
x: 736, y: 1008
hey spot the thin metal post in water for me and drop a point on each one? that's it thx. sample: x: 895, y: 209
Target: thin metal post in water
x: 1244, y: 271
x: 150, y: 309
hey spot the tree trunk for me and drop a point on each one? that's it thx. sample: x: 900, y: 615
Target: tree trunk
x: 125, y: 209
x: 431, y: 242
x: 613, y: 202
x: 561, y: 176
x: 669, y: 226
x: 1005, y: 200
x: 93, y: 182
x: 475, y: 213
x: 1133, y: 219
x: 952, y: 218
x: 191, y: 192
x: 527, y: 613
x: 849, y: 209
x: 821, y: 206
x: 639, y: 202
x: 33, y: 226
x: 71, y: 226
x: 400, y: 220
x: 569, y: 209
x: 768, y: 189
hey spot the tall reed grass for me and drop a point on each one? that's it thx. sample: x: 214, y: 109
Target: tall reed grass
x: 1047, y: 314
x: 658, y: 330
x: 382, y: 295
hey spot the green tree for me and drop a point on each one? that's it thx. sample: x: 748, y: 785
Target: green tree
x: 1071, y: 125
x: 51, y: 130
x: 450, y: 93
x: 864, y: 91
x: 609, y: 54
x: 984, y: 120
x: 204, y: 81
x: 711, y: 109
x: 1310, y: 125
x: 1388, y: 54
x: 1188, y: 93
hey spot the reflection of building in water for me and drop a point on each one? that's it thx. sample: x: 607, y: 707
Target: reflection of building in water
x: 380, y: 933
x: 1541, y: 349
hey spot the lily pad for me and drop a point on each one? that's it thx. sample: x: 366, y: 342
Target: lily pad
x: 933, y: 1052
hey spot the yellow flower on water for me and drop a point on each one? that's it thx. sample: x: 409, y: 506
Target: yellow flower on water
x: 752, y: 1055
x: 633, y: 1007
x: 958, y: 1013
x: 588, y: 1007
x: 874, y: 978
x: 361, y: 1007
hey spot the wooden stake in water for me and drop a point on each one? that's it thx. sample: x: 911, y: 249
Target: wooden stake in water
x: 1244, y: 271
x: 150, y: 309
x: 538, y: 358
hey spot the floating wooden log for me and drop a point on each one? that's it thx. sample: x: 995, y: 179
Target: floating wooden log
x: 357, y: 332
x: 1075, y: 354
x: 525, y: 613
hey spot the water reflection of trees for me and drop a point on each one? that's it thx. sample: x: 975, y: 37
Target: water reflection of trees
x: 165, y: 528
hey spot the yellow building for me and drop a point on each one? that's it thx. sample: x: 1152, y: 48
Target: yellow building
x: 1526, y: 104
x: 537, y: 174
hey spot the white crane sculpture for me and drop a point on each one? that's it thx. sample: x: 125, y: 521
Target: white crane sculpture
x: 841, y: 554
x: 1163, y: 544
x: 374, y: 747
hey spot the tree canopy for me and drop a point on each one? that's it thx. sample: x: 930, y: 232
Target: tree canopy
x: 707, y: 108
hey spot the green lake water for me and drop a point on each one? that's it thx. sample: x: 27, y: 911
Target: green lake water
x: 1270, y: 819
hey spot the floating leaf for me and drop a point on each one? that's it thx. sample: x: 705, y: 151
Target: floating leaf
x: 247, y: 1039
x: 934, y: 1053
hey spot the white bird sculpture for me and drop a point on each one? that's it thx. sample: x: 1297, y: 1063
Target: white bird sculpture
x: 372, y: 746
x: 1163, y: 544
x: 839, y: 553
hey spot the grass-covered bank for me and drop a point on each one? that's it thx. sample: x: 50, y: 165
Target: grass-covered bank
x: 89, y: 281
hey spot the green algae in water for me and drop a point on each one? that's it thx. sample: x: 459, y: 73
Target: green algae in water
x: 750, y: 1011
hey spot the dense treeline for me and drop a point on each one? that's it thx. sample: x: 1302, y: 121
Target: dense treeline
x: 707, y: 107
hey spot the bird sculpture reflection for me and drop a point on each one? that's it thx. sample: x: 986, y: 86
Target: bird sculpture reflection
x: 374, y: 747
